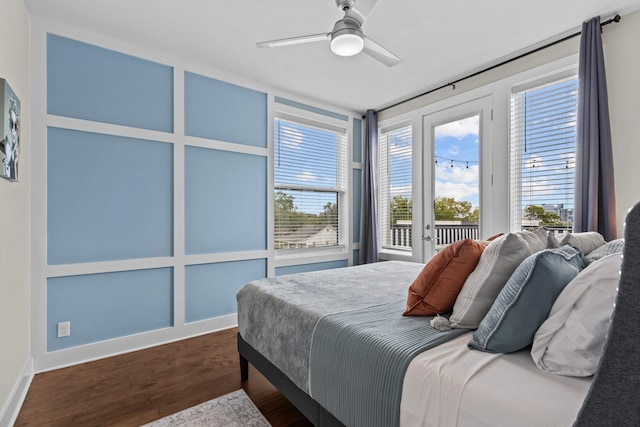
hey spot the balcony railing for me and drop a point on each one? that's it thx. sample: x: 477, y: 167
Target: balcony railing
x: 401, y: 238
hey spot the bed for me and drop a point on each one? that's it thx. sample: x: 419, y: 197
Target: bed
x: 334, y: 343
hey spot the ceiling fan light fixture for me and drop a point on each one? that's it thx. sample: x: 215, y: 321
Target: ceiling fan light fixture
x: 347, y: 42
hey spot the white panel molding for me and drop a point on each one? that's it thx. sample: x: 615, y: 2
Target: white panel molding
x: 38, y: 191
x: 64, y: 270
x: 108, y: 129
x: 224, y: 146
x: 40, y: 271
x: 311, y: 259
x: 271, y: 270
x: 224, y: 257
x: 178, y: 201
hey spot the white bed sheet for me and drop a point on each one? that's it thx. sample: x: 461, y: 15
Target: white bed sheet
x: 452, y: 386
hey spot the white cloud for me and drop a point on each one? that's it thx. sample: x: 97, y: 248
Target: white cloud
x: 306, y: 176
x: 457, y: 190
x: 291, y: 137
x: 459, y: 129
x: 540, y: 187
x: 398, y: 152
x: 457, y: 173
x: 454, y: 150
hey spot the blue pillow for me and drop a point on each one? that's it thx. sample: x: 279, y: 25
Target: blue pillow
x: 525, y: 301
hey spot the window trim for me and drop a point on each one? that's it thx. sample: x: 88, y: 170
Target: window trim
x: 498, y: 84
x: 382, y: 194
x: 550, y: 78
x: 286, y: 257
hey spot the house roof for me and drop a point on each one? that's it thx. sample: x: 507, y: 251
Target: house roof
x: 301, y: 234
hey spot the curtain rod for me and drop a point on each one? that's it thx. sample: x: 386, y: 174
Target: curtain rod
x: 616, y: 18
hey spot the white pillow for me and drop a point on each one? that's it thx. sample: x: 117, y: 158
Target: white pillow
x: 571, y: 340
x: 499, y: 259
x: 586, y: 242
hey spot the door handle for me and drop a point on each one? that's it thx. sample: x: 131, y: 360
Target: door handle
x: 427, y: 238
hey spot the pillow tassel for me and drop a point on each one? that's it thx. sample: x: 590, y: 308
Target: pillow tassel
x: 441, y: 323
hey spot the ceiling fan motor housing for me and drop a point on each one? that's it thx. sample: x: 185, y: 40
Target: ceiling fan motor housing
x: 347, y: 38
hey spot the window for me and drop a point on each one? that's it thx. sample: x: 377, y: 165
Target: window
x: 395, y: 188
x: 543, y: 146
x: 309, y: 184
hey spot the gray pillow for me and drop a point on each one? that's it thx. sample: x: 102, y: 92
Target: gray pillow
x: 586, y: 241
x: 525, y: 301
x: 609, y: 248
x: 497, y: 263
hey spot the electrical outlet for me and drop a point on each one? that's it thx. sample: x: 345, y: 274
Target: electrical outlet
x: 64, y: 329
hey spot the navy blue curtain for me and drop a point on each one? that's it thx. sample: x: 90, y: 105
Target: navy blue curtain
x: 369, y: 213
x: 595, y: 201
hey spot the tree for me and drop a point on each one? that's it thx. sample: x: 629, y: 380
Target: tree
x: 450, y: 209
x: 545, y: 218
x: 287, y: 217
x: 330, y: 214
x: 284, y: 203
x: 400, y: 209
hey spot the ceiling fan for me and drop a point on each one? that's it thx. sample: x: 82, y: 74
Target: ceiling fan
x: 347, y: 38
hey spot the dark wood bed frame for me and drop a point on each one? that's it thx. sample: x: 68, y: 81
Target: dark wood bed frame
x: 301, y: 400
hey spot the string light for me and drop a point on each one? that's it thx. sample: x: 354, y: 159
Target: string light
x: 455, y: 161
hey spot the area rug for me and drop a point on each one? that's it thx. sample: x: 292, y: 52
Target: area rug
x: 231, y: 410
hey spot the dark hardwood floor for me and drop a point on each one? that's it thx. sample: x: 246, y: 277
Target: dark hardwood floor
x: 143, y: 386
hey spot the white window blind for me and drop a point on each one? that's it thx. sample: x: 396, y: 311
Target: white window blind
x: 543, y: 146
x: 395, y: 187
x: 309, y: 185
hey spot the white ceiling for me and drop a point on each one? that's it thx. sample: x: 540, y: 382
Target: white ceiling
x: 438, y: 40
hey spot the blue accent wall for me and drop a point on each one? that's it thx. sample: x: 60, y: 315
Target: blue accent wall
x: 302, y: 268
x: 357, y: 203
x: 217, y: 110
x: 108, y: 305
x: 108, y: 197
x: 357, y: 140
x: 111, y: 197
x: 356, y: 257
x: 91, y: 83
x: 225, y: 201
x: 211, y: 288
x: 310, y: 108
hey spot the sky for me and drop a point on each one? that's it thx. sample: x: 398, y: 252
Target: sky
x: 457, y: 141
x: 305, y: 156
x: 457, y: 168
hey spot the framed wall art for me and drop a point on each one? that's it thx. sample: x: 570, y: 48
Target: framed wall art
x: 10, y: 136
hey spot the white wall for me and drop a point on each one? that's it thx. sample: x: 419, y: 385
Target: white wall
x: 622, y: 58
x: 14, y: 214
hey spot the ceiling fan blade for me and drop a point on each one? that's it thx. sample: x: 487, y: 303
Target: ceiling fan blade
x: 364, y: 7
x: 295, y: 40
x: 376, y: 51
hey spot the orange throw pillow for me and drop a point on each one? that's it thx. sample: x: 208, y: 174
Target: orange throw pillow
x: 437, y: 286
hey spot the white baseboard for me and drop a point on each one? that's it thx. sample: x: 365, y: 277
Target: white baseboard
x: 113, y: 347
x: 12, y: 407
